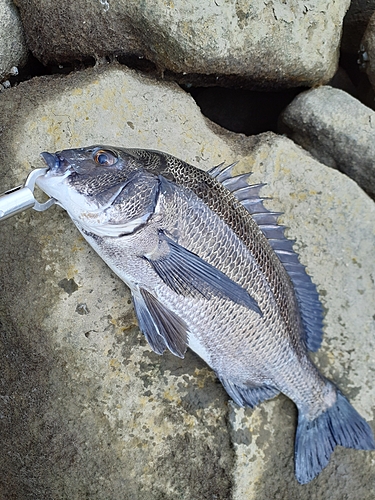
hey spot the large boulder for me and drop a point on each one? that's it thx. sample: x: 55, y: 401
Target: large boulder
x: 87, y: 409
x: 267, y: 43
x: 13, y: 51
x: 337, y: 129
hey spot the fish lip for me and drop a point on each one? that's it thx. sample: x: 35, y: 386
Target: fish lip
x: 51, y: 160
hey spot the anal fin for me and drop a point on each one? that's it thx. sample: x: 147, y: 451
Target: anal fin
x: 248, y: 396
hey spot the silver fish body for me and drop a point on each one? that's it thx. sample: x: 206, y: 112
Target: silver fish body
x: 209, y: 268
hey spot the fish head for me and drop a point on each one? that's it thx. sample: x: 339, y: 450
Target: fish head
x: 106, y: 191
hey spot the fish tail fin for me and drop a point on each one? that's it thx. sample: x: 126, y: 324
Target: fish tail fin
x: 316, y: 439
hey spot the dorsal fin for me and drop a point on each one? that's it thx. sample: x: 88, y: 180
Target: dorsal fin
x: 222, y: 173
x: 307, y: 296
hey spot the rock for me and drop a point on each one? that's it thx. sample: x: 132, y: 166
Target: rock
x: 336, y: 129
x: 88, y: 410
x: 368, y: 50
x: 13, y: 51
x: 269, y: 44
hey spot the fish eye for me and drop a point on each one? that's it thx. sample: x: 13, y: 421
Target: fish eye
x: 105, y: 158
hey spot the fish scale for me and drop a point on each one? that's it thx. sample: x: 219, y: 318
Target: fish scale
x: 219, y: 199
x: 209, y: 268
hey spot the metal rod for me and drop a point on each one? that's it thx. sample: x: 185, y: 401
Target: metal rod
x: 16, y: 201
x: 21, y: 198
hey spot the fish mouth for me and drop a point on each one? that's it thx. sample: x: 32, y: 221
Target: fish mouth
x: 51, y: 160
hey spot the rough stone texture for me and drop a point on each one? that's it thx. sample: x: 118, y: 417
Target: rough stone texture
x: 270, y: 43
x: 88, y: 411
x: 13, y: 51
x: 337, y: 129
x: 355, y: 23
x: 368, y: 43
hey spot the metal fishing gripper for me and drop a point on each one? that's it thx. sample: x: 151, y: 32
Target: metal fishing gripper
x: 18, y: 199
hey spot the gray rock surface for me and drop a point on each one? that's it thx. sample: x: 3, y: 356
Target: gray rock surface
x: 88, y: 410
x: 368, y: 43
x: 337, y: 129
x: 13, y: 51
x: 269, y: 43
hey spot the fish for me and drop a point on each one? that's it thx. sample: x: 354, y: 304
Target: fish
x: 210, y: 269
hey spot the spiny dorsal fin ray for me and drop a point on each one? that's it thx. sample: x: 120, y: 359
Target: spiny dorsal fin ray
x: 272, y: 231
x: 282, y: 244
x: 253, y: 205
x: 215, y: 171
x: 306, y: 292
x: 238, y: 182
x: 265, y: 218
x: 248, y: 192
x: 222, y: 174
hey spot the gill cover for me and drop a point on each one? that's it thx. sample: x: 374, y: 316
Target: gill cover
x: 104, y: 193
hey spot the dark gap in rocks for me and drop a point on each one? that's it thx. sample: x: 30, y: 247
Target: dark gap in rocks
x: 354, y: 66
x: 138, y: 63
x: 349, y: 63
x: 243, y: 111
x: 34, y: 67
x: 353, y: 56
x: 230, y: 81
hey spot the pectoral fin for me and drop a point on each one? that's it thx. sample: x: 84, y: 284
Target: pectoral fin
x: 147, y: 324
x: 187, y: 274
x: 161, y: 327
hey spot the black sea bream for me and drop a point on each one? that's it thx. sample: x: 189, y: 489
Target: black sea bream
x: 210, y: 269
